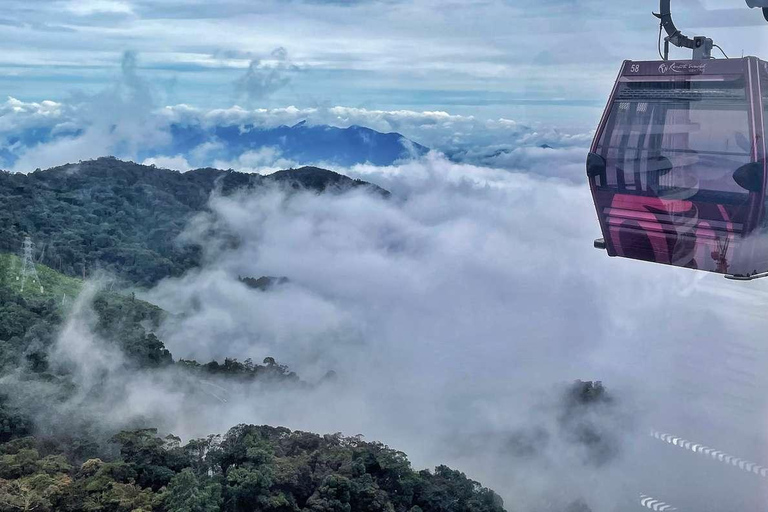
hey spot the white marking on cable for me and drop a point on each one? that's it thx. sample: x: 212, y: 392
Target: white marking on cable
x: 750, y: 467
x: 655, y: 504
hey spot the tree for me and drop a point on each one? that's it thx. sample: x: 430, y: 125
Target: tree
x: 20, y: 495
x: 334, y: 495
x: 13, y: 423
x: 119, y: 497
x: 5, y: 269
x: 448, y: 490
x: 19, y: 464
x: 251, y: 468
x: 248, y: 488
x: 155, y: 459
x: 187, y: 494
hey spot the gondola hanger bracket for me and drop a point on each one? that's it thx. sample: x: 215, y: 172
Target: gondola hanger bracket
x: 700, y: 45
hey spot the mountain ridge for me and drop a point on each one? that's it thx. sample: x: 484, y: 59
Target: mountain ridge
x: 302, y: 143
x: 124, y: 217
x: 203, y: 144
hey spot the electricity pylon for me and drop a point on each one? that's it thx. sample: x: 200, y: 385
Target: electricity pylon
x: 28, y: 270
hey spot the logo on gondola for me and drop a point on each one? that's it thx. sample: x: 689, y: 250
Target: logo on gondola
x: 682, y: 67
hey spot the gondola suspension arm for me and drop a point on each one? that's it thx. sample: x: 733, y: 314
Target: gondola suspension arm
x: 701, y: 45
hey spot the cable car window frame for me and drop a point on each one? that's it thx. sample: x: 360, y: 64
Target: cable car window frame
x: 650, y: 138
x: 763, y: 84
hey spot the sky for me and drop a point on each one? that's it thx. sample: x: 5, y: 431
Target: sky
x: 483, y: 81
x: 528, y: 60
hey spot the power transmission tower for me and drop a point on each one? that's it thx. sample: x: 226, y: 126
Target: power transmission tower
x: 28, y: 269
x: 12, y: 268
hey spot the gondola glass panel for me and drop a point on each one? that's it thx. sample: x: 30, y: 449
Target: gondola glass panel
x: 670, y: 148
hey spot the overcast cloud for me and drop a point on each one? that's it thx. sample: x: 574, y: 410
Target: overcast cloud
x: 520, y: 59
x: 484, y: 82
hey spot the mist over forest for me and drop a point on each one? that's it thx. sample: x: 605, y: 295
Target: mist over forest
x: 100, y: 345
x: 417, y: 312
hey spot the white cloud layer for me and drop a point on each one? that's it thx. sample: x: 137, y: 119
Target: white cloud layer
x: 453, y: 313
x: 90, y: 7
x: 518, y: 59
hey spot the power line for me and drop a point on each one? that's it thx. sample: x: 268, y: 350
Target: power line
x: 721, y: 50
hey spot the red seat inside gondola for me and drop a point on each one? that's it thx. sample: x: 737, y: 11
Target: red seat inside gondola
x: 673, y: 231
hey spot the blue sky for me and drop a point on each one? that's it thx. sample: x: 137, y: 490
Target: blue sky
x: 477, y: 76
x: 516, y: 58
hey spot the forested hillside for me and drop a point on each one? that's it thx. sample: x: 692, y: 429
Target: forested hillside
x: 124, y: 217
x: 30, y: 322
x: 250, y: 468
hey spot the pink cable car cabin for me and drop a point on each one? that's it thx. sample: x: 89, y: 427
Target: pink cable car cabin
x: 677, y: 168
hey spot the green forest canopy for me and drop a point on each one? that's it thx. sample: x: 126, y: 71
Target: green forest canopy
x: 250, y: 468
x: 123, y: 217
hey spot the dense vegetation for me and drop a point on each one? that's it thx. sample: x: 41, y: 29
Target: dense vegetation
x: 29, y: 320
x: 125, y: 217
x: 263, y: 283
x: 29, y: 323
x: 250, y: 468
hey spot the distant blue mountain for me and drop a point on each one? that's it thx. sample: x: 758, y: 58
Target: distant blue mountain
x: 302, y: 143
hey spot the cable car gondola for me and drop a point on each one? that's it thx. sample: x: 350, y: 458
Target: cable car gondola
x: 678, y: 168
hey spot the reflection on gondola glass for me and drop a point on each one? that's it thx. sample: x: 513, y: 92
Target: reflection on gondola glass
x: 677, y: 165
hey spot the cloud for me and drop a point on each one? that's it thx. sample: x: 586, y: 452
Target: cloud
x: 265, y: 160
x: 454, y: 313
x: 543, y: 160
x: 89, y: 7
x: 177, y: 163
x: 556, y: 58
x: 265, y: 77
x: 116, y: 121
x: 450, y: 133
